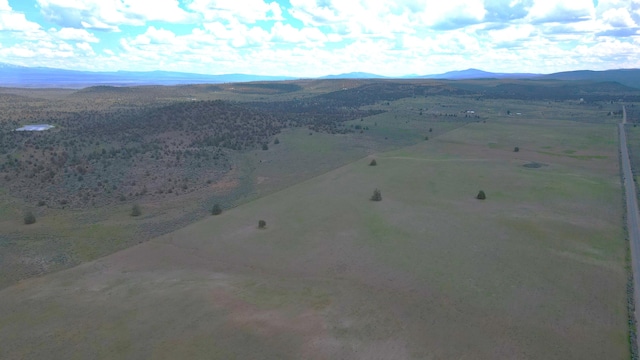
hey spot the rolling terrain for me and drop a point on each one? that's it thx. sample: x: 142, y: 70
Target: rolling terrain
x: 12, y: 75
x: 537, y: 270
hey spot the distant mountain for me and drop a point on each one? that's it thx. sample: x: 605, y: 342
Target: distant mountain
x: 628, y: 77
x: 9, y: 66
x: 476, y: 74
x: 20, y: 76
x: 354, y: 75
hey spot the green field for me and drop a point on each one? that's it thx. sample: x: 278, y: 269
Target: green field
x: 535, y: 271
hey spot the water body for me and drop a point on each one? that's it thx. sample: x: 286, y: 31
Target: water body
x: 36, y: 127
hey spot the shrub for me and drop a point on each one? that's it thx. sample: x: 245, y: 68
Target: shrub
x: 265, y: 147
x: 481, y: 195
x: 262, y: 224
x: 135, y: 210
x: 29, y: 218
x: 276, y: 141
x: 216, y: 210
x: 516, y: 149
x: 377, y: 195
x: 373, y: 162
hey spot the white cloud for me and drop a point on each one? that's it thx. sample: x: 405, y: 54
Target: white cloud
x: 235, y: 34
x: 380, y: 36
x: 154, y: 36
x: 457, y: 42
x: 453, y: 13
x: 17, y: 52
x: 86, y: 47
x: 618, y: 18
x: 46, y: 53
x: 511, y: 34
x: 246, y: 11
x: 11, y: 20
x: 386, y: 19
x: 563, y: 11
x: 352, y: 18
x: 109, y: 14
x: 276, y: 11
x: 308, y: 36
x: 218, y: 30
x: 157, y: 10
x: 254, y: 37
x: 71, y: 34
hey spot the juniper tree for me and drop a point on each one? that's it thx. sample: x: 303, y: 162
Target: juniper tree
x: 135, y: 210
x: 29, y: 218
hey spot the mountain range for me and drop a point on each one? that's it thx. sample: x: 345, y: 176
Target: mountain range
x: 21, y: 76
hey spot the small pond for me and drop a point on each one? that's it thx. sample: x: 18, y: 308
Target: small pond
x: 36, y: 127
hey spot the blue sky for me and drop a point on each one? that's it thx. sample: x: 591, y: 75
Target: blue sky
x: 320, y: 37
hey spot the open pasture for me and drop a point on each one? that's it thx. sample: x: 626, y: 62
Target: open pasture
x: 537, y: 270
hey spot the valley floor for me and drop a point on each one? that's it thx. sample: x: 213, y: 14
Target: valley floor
x: 535, y: 271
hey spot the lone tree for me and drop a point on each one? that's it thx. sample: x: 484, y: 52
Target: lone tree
x: 373, y: 163
x: 29, y: 218
x: 481, y: 195
x: 516, y: 149
x: 262, y: 224
x: 377, y: 195
x: 135, y: 210
x: 216, y: 210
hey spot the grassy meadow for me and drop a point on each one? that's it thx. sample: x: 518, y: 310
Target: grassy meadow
x: 535, y: 271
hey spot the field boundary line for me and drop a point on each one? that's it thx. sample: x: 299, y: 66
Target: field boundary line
x: 633, y: 228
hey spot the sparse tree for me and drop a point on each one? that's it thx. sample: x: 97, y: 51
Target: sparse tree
x: 373, y: 162
x: 481, y: 195
x: 377, y: 195
x: 29, y: 218
x: 216, y: 210
x: 262, y: 224
x: 135, y: 210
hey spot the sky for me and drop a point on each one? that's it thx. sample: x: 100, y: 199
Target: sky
x: 306, y: 38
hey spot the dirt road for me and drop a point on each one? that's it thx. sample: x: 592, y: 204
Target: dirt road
x: 632, y: 209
